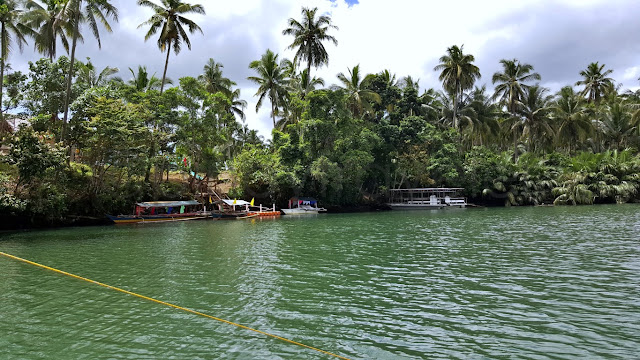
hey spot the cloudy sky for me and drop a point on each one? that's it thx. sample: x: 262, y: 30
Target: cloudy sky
x: 558, y: 37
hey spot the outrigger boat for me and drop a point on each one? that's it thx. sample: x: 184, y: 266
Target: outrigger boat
x: 426, y: 198
x: 303, y: 206
x: 163, y: 211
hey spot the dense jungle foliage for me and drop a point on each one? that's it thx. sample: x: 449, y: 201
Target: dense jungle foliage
x: 80, y: 141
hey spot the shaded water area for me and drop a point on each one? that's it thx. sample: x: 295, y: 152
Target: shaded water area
x: 526, y: 283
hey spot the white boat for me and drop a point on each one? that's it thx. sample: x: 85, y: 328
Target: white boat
x: 303, y: 206
x: 426, y: 198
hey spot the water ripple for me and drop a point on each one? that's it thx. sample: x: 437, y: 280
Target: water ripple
x: 533, y: 283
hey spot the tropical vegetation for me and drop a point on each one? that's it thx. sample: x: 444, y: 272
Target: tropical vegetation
x: 78, y: 141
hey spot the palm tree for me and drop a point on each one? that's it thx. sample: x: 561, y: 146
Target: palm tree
x: 572, y: 117
x: 486, y: 113
x: 358, y: 97
x: 272, y: 81
x: 409, y: 82
x: 388, y: 77
x: 88, y: 74
x: 213, y: 80
x: 308, y: 38
x: 142, y: 82
x: 458, y: 73
x: 465, y: 114
x: 534, y: 120
x: 77, y: 12
x: 595, y: 82
x: 12, y: 29
x: 511, y: 89
x: 304, y: 84
x: 49, y: 24
x: 237, y: 105
x: 617, y: 125
x: 170, y: 22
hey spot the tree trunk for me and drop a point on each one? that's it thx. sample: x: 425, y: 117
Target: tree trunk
x: 273, y: 113
x: 67, y: 97
x: 2, y: 60
x: 308, y: 67
x: 166, y: 65
x: 455, y: 106
x: 515, y: 145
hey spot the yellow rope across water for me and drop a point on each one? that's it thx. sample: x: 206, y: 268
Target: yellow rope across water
x: 170, y: 305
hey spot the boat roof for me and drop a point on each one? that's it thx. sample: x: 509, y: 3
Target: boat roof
x: 430, y: 189
x: 238, y: 202
x: 154, y: 204
x: 303, y: 199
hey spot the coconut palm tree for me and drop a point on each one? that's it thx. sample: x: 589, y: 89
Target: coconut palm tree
x: 617, y: 125
x: 388, y: 77
x: 213, y: 80
x: 304, y: 84
x: 88, y: 74
x: 457, y: 73
x: 237, y: 105
x: 534, y: 116
x: 12, y: 30
x: 465, y: 115
x: 272, y: 81
x: 487, y: 112
x: 76, y: 12
x: 169, y: 20
x: 50, y: 24
x: 409, y: 82
x: 359, y: 98
x: 573, y: 119
x: 142, y: 82
x: 595, y: 82
x: 308, y: 37
x: 511, y: 87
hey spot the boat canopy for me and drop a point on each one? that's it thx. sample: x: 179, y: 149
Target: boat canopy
x: 439, y: 190
x: 157, y: 204
x: 237, y: 202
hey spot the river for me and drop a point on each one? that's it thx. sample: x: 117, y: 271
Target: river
x: 525, y: 283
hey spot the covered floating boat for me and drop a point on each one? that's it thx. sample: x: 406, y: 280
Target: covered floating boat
x: 426, y: 198
x: 303, y: 206
x: 162, y: 211
x: 231, y: 209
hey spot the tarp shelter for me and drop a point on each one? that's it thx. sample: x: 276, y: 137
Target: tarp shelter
x: 237, y: 202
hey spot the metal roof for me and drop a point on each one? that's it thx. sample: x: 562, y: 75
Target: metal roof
x: 154, y: 204
x: 430, y: 189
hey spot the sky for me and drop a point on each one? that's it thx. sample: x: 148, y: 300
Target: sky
x: 558, y: 37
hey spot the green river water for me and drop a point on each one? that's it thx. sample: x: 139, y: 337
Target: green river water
x: 519, y: 283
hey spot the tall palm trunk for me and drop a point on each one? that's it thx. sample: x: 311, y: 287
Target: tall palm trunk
x: 308, y: 65
x: 273, y: 114
x: 2, y: 60
x: 455, y: 105
x: 67, y: 97
x: 166, y: 65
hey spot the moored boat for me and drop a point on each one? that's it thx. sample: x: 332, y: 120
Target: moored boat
x: 426, y: 198
x: 163, y: 211
x: 264, y: 212
x: 303, y: 206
